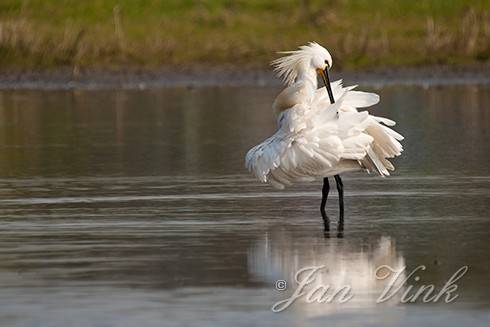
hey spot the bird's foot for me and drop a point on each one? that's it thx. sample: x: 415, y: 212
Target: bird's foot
x: 326, y: 223
x: 340, y: 229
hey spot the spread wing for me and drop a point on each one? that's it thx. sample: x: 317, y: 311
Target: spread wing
x: 320, y: 139
x: 293, y: 152
x: 310, y: 143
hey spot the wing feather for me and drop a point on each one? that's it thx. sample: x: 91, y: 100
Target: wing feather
x: 320, y: 139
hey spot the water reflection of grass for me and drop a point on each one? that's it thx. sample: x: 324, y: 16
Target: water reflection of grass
x: 44, y: 33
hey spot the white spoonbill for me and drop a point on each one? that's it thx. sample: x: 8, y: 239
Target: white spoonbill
x: 320, y: 132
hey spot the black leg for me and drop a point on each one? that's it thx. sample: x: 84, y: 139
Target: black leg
x: 340, y: 189
x: 325, y: 190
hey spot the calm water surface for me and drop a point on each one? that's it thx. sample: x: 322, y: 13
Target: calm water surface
x: 126, y: 208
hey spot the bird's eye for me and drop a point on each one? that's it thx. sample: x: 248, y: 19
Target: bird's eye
x: 326, y: 62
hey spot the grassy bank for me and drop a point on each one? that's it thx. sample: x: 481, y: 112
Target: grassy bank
x: 148, y: 33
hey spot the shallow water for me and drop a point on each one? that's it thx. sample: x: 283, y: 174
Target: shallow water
x: 133, y: 208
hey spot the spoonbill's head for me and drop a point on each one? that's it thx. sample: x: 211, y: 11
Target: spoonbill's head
x: 307, y: 60
x: 310, y: 57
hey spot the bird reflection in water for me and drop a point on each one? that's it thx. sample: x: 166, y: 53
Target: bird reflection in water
x: 351, y: 262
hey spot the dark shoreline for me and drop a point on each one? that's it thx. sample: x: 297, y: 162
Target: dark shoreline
x: 66, y: 78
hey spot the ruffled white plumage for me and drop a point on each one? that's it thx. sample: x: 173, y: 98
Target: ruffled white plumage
x: 317, y: 139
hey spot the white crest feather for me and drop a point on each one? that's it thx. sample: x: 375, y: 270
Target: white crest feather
x: 287, y: 67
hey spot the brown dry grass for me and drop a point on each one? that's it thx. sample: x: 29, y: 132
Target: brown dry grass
x: 118, y: 33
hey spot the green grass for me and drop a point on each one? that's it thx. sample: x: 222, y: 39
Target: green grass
x: 149, y: 33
